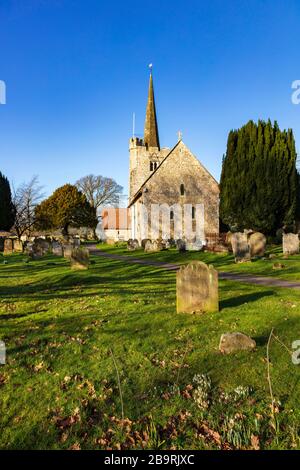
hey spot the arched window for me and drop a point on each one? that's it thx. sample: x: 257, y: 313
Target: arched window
x: 171, y: 215
x: 151, y: 166
x: 182, y: 189
x: 193, y: 213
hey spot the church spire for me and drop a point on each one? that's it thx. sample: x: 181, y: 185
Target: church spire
x: 151, y: 138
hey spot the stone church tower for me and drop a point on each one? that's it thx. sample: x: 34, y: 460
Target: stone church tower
x: 172, y: 177
x: 145, y: 154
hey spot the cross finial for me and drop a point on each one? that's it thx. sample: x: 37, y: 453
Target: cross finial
x: 179, y: 133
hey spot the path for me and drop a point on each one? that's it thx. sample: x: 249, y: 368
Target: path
x: 248, y: 278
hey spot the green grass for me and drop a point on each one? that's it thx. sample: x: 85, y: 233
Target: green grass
x: 222, y: 261
x: 59, y: 387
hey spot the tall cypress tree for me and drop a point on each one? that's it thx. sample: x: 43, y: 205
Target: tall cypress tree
x: 259, y: 182
x: 7, y: 211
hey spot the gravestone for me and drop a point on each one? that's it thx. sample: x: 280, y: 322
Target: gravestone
x: 144, y: 241
x: 80, y: 258
x: 57, y: 249
x: 67, y: 249
x: 240, y: 247
x: 290, y: 243
x: 196, y: 245
x: 132, y: 245
x: 8, y: 246
x: 76, y: 242
x: 197, y: 288
x: 180, y: 244
x: 257, y: 242
x: 18, y: 246
x: 228, y: 241
x: 154, y: 246
x: 232, y: 342
x: 41, y: 247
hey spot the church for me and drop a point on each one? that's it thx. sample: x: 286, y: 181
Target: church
x: 173, y: 177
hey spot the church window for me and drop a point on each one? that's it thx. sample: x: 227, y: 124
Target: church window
x: 153, y: 166
x: 182, y: 189
x: 193, y: 213
x: 171, y: 215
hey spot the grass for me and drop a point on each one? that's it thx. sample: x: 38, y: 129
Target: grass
x: 221, y: 261
x: 67, y: 332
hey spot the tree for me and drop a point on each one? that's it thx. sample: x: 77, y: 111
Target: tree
x: 25, y: 200
x: 259, y: 183
x: 99, y: 190
x: 66, y: 207
x: 7, y: 210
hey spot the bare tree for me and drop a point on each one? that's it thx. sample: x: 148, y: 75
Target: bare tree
x: 100, y: 190
x: 26, y: 198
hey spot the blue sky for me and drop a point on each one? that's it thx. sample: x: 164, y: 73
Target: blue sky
x: 76, y: 70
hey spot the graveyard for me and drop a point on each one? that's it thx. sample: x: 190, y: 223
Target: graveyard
x: 99, y: 358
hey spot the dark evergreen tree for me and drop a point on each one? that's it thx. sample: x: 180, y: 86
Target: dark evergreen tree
x: 259, y: 182
x: 7, y: 211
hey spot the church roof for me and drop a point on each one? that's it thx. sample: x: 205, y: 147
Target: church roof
x: 151, y: 137
x: 139, y: 192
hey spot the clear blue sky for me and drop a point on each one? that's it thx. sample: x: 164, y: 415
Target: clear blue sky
x: 76, y: 70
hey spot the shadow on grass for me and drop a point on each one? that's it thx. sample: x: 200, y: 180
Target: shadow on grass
x: 243, y: 299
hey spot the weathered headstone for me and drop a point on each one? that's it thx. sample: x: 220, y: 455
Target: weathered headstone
x: 154, y: 246
x: 232, y: 342
x: 240, y: 247
x: 67, y: 249
x: 8, y: 246
x: 196, y: 245
x: 18, y: 246
x: 144, y: 241
x: 228, y: 241
x: 132, y: 245
x: 257, y: 242
x: 57, y: 249
x: 181, y: 245
x: 197, y: 288
x: 290, y: 243
x: 80, y: 258
x: 76, y: 242
x: 41, y: 246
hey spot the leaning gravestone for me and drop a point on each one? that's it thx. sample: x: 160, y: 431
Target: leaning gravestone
x: 8, y: 246
x: 232, y: 342
x: 240, y: 247
x: 290, y: 243
x: 257, y: 242
x: 197, y: 288
x: 80, y: 258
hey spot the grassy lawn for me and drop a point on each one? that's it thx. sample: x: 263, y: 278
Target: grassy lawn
x: 66, y: 331
x: 221, y: 261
